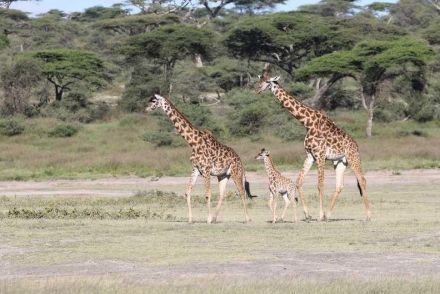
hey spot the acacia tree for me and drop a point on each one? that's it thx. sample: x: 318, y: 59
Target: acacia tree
x: 282, y: 39
x: 214, y: 7
x: 334, y: 8
x: 64, y: 68
x: 7, y: 3
x: 4, y: 42
x: 371, y: 63
x: 17, y: 81
x: 170, y: 43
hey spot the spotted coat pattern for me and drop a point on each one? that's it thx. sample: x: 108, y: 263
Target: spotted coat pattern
x: 324, y: 140
x: 278, y: 185
x: 209, y: 157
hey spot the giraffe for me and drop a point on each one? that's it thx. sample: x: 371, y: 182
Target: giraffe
x: 209, y: 158
x: 278, y: 184
x: 324, y: 140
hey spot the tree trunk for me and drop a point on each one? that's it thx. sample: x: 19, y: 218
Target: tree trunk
x: 370, y: 121
x: 321, y: 89
x: 59, y: 91
x: 368, y: 104
x: 198, y: 60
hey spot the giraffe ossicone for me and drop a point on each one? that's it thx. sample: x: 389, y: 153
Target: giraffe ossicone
x: 323, y: 141
x: 278, y: 185
x: 209, y: 158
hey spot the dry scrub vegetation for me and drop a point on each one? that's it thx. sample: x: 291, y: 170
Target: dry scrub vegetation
x: 117, y: 147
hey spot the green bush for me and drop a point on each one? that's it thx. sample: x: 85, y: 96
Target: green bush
x: 63, y: 131
x: 11, y: 127
x: 159, y: 139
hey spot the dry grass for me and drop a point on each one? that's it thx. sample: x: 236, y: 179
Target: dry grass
x: 392, y: 285
x: 116, y: 148
x: 395, y: 253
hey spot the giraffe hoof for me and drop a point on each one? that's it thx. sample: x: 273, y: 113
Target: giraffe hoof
x: 308, y: 218
x: 368, y: 216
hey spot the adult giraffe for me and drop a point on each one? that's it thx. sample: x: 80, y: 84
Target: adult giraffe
x: 324, y: 140
x: 209, y: 158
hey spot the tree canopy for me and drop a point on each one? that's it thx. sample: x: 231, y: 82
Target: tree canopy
x: 65, y: 68
x: 169, y: 44
x: 370, y: 62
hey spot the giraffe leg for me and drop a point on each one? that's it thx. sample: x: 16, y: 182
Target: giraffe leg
x: 195, y: 173
x: 340, y: 169
x: 286, y: 204
x: 300, y: 181
x: 222, y: 181
x: 239, y: 182
x: 208, y: 197
x: 321, y: 162
x: 274, y: 210
x: 292, y: 198
x: 355, y: 164
x: 362, y: 183
x: 271, y: 199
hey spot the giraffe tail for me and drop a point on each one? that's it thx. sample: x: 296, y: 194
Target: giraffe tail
x: 360, y: 190
x: 248, y: 190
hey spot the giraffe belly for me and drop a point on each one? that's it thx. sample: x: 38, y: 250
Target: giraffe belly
x: 220, y: 171
x: 332, y: 154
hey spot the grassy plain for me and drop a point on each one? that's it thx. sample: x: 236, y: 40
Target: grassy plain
x: 143, y: 243
x: 116, y: 147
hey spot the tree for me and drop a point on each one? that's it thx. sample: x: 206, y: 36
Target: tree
x: 371, y: 63
x: 64, y: 68
x: 283, y: 39
x: 17, y: 81
x: 4, y: 42
x: 414, y: 14
x: 332, y: 8
x: 214, y: 11
x: 7, y: 3
x: 100, y: 12
x: 170, y: 43
x: 435, y: 3
x: 136, y: 24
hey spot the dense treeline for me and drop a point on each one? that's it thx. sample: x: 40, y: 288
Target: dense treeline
x: 382, y: 57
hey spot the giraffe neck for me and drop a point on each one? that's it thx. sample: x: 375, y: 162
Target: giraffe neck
x: 307, y: 116
x: 270, y: 169
x: 183, y: 126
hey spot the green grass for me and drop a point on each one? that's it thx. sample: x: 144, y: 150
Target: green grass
x: 117, y: 147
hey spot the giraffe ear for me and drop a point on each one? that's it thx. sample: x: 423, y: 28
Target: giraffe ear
x: 158, y: 96
x: 275, y: 79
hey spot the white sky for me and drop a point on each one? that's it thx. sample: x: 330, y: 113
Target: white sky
x: 35, y: 7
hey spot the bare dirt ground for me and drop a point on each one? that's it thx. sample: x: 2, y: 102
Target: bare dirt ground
x: 293, y: 264
x: 282, y: 264
x: 128, y: 186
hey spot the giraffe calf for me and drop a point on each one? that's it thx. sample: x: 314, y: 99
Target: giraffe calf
x: 278, y: 184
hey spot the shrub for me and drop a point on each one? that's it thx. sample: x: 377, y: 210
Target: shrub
x: 11, y: 127
x: 63, y: 131
x: 160, y: 139
x: 75, y: 100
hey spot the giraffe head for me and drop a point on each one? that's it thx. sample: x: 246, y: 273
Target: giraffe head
x: 154, y: 102
x: 265, y: 81
x: 263, y: 154
x: 266, y: 84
